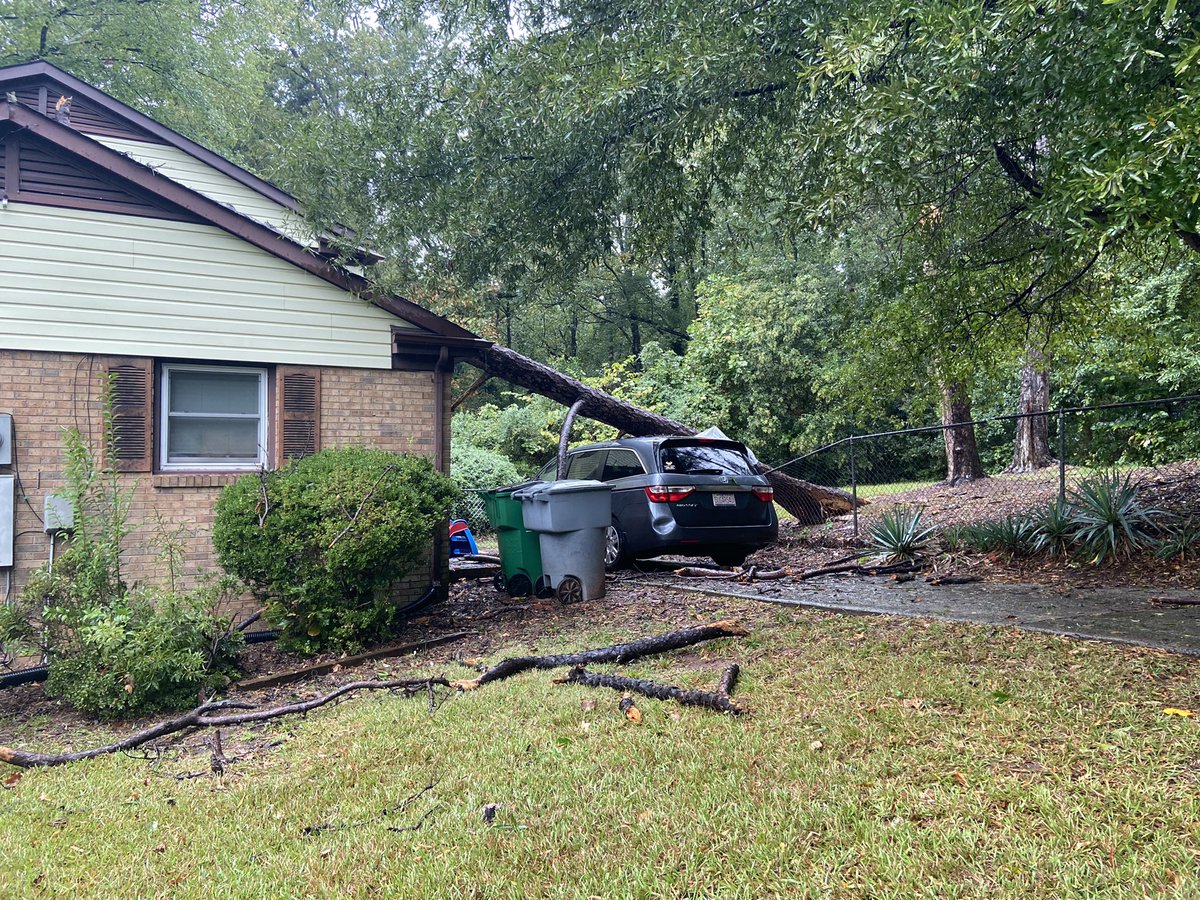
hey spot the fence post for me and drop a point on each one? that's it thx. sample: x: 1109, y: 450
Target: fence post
x: 1062, y: 456
x: 853, y: 488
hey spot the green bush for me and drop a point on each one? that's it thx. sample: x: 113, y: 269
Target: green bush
x: 1012, y: 536
x: 325, y: 540
x: 115, y: 652
x: 1180, y: 540
x: 1111, y: 522
x: 137, y: 652
x: 1055, y: 529
x: 473, y: 468
x: 898, y: 534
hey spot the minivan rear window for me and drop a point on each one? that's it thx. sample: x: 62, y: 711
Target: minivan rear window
x: 704, y: 459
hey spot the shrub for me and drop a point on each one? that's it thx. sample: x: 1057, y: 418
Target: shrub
x: 1180, y: 540
x: 112, y: 651
x: 325, y: 540
x: 898, y: 534
x: 952, y: 538
x: 1111, y: 523
x: 1012, y: 535
x: 1055, y: 529
x: 473, y: 468
x: 140, y: 652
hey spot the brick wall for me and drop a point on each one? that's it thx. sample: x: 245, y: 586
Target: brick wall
x: 48, y: 392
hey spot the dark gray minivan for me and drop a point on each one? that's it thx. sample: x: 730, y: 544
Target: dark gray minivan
x: 678, y: 495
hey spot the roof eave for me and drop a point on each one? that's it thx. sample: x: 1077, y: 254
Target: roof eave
x: 221, y: 216
x: 144, y: 122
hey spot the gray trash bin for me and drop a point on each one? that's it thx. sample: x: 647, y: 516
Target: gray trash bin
x: 570, y: 518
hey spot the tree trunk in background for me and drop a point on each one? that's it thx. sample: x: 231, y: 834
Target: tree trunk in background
x: 962, y: 452
x: 1031, y: 450
x: 809, y: 503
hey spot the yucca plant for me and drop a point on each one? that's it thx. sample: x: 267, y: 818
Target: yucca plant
x: 1180, y: 540
x: 1055, y: 529
x: 1111, y: 522
x: 898, y: 535
x: 1012, y: 536
x: 952, y: 538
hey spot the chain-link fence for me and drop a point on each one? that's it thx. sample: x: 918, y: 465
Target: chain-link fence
x: 472, y: 508
x: 1014, y: 464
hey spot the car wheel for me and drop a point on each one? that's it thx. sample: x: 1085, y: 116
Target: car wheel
x: 730, y: 557
x: 616, y: 548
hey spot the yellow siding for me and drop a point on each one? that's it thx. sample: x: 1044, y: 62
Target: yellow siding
x: 89, y: 282
x: 202, y: 178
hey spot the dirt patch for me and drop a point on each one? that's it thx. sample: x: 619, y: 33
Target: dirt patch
x: 1174, y: 487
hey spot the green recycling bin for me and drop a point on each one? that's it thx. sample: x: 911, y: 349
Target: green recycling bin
x: 520, y: 548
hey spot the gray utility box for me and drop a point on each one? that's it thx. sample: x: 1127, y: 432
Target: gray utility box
x: 570, y: 518
x: 8, y: 504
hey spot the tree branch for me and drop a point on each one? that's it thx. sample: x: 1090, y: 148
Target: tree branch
x: 201, y: 717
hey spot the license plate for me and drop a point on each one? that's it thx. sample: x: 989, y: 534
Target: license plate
x: 724, y: 500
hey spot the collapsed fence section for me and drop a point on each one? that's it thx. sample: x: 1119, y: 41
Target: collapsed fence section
x: 1014, y: 464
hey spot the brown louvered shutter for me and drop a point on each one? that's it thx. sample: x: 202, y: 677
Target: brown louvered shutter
x: 298, y: 425
x: 132, y: 386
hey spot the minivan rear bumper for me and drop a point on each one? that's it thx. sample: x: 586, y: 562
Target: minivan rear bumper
x: 694, y: 541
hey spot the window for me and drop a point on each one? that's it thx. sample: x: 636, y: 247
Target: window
x: 213, y: 418
x: 705, y: 459
x: 622, y: 464
x: 586, y: 465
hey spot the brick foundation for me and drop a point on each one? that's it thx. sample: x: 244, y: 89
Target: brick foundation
x: 49, y: 392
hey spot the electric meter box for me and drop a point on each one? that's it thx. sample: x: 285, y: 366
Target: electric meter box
x: 6, y: 439
x: 58, y: 514
x: 7, y: 520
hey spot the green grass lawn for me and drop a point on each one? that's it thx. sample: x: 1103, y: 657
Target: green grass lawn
x: 882, y: 759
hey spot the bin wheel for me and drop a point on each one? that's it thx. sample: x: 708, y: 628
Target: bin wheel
x: 500, y: 584
x: 570, y: 590
x: 520, y: 586
x: 541, y: 588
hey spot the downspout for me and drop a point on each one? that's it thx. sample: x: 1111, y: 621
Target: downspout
x: 441, y: 461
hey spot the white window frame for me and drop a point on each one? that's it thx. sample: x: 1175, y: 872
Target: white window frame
x: 164, y: 420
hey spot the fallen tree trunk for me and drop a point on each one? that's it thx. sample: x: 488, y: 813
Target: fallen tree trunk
x: 707, y: 699
x: 809, y: 503
x: 202, y: 717
x: 619, y: 653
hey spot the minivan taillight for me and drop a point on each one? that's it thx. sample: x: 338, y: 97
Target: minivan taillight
x: 765, y: 494
x: 667, y: 493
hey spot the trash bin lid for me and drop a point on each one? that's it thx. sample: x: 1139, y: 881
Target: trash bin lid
x: 512, y: 488
x: 567, y: 486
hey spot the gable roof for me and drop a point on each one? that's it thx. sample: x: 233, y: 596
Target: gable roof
x: 178, y: 197
x: 108, y: 111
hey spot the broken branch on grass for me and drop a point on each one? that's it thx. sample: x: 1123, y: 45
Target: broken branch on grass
x: 217, y: 760
x: 663, y: 643
x: 729, y: 680
x: 201, y: 717
x: 706, y: 699
x: 953, y: 579
x: 699, y: 572
x: 280, y: 678
x: 1173, y: 601
x: 400, y: 807
x: 859, y: 569
x: 757, y: 574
